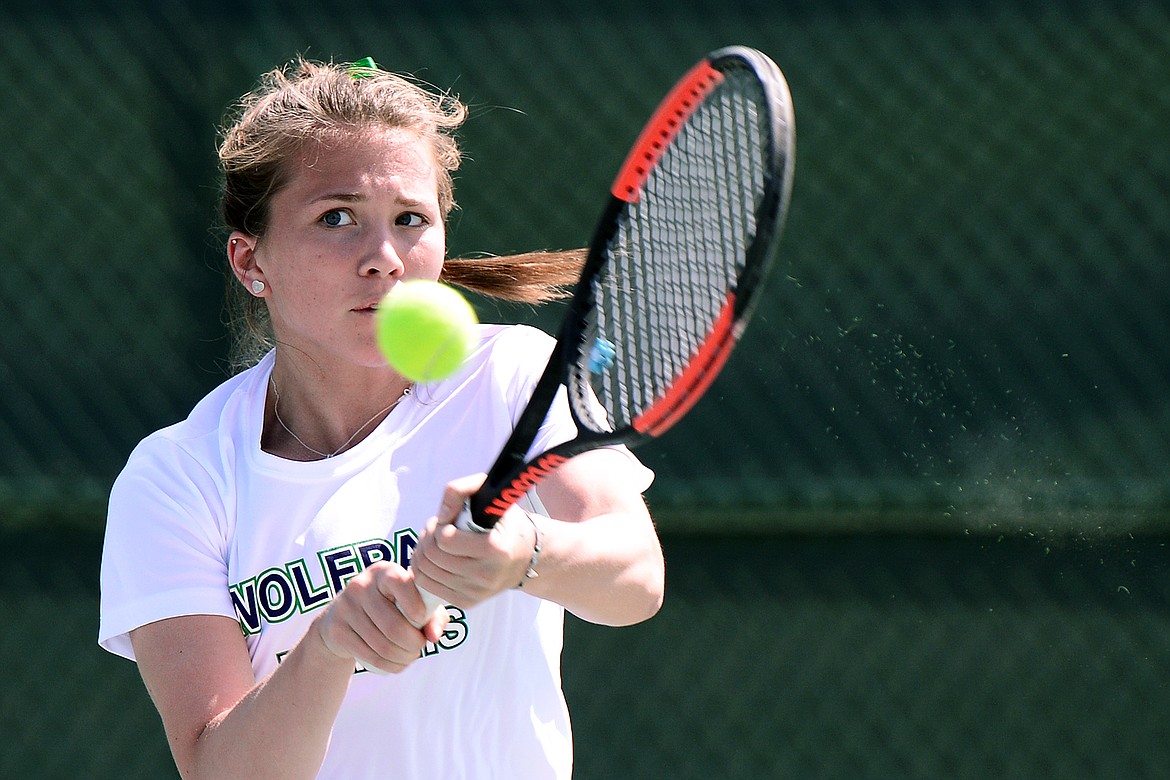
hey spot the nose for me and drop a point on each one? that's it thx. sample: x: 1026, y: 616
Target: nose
x: 384, y: 260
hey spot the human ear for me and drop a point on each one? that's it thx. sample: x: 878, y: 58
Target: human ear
x: 241, y: 252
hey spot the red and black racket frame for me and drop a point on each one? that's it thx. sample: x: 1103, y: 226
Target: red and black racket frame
x: 511, y: 476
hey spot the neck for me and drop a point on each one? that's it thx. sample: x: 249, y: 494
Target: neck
x: 309, y: 417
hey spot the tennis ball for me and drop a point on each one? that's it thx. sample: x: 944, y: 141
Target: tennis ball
x: 425, y: 329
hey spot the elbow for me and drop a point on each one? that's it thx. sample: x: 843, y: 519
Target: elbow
x: 634, y: 597
x: 655, y: 591
x: 649, y: 607
x: 645, y: 592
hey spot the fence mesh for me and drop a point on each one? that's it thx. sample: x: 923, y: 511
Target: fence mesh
x: 964, y: 337
x: 780, y: 657
x: 970, y: 304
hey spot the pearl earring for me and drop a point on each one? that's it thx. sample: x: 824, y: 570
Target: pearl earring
x: 257, y: 286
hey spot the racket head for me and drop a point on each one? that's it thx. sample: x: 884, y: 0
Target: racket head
x: 673, y: 270
x: 680, y: 254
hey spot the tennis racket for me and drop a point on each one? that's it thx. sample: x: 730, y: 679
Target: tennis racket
x: 672, y: 274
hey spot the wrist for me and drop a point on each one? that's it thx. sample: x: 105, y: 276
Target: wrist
x: 319, y: 643
x: 530, y: 572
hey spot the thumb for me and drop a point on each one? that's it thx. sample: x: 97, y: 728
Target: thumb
x: 455, y: 496
x: 433, y: 628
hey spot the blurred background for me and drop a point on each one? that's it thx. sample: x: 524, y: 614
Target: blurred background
x: 918, y: 528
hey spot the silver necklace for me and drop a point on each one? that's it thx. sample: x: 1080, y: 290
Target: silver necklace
x: 314, y: 450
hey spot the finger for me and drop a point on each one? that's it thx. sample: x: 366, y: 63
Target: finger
x: 362, y: 639
x: 437, y: 554
x: 399, y: 587
x: 382, y: 620
x: 388, y: 633
x: 433, y: 630
x: 414, y: 607
x: 429, y: 528
x: 455, y: 495
x: 369, y: 660
x: 431, y: 576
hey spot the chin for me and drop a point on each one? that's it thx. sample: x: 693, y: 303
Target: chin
x: 374, y: 361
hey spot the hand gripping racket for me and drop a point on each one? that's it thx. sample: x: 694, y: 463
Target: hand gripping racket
x: 672, y: 273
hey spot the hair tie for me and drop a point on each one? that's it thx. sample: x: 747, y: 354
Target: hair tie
x: 363, y: 68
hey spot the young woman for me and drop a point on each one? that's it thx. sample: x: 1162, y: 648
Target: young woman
x: 263, y: 557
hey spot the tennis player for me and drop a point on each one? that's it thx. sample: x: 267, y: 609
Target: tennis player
x: 262, y: 557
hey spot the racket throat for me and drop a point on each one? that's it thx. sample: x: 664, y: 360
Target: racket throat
x: 522, y: 483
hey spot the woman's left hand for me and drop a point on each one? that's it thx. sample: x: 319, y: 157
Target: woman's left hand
x: 466, y: 568
x: 600, y: 555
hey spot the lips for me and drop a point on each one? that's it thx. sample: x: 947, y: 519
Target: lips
x: 370, y: 305
x: 368, y: 308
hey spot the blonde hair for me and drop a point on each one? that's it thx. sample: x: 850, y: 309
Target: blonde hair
x: 310, y: 101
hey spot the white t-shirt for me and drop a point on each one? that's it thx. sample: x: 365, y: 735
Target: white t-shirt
x: 203, y: 522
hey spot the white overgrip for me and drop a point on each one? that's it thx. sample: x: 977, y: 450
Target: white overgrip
x: 432, y: 602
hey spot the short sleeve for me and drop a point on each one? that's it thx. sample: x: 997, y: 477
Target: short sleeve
x: 164, y: 553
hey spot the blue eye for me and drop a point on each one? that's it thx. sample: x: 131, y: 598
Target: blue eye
x: 336, y: 218
x: 411, y: 219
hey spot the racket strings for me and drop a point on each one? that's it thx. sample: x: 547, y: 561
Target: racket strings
x: 678, y: 254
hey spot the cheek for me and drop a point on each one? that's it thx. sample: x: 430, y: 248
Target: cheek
x: 428, y: 254
x: 295, y: 258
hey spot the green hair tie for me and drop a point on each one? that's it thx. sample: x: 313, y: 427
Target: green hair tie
x: 363, y: 68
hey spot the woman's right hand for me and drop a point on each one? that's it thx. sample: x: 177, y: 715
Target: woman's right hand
x: 370, y: 620
x: 220, y: 719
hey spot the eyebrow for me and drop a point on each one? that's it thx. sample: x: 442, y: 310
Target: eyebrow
x: 354, y: 197
x: 347, y: 197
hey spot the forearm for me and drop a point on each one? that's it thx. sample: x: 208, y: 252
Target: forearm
x: 606, y: 569
x: 281, y: 728
x: 221, y: 723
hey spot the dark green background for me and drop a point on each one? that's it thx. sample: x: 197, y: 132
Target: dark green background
x: 916, y: 529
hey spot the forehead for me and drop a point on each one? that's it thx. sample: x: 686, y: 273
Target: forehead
x: 363, y: 161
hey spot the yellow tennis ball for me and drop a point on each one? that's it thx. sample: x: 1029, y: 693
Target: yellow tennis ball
x: 425, y: 329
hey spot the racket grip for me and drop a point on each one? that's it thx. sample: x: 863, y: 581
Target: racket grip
x: 432, y: 602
